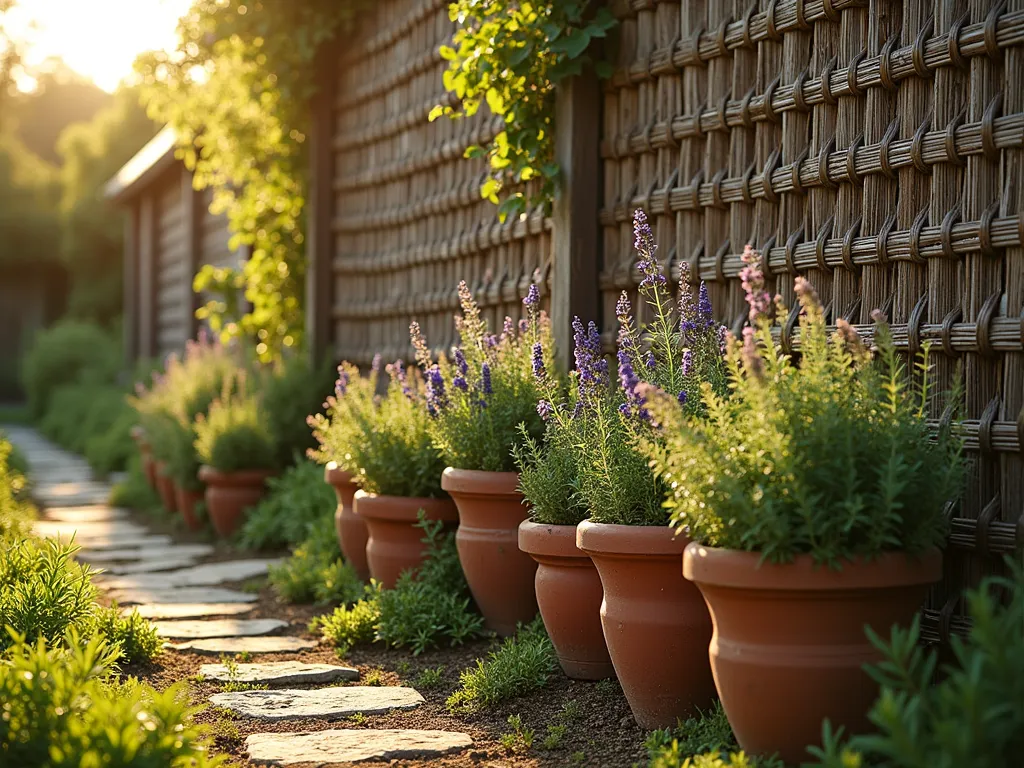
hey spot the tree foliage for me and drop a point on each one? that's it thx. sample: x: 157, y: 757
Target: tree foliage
x: 237, y: 90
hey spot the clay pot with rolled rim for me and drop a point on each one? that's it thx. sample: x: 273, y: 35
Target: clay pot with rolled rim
x: 351, y: 528
x: 499, y: 574
x: 229, y: 494
x: 165, y: 488
x: 655, y: 622
x: 395, y: 542
x: 187, y: 500
x: 794, y: 634
x: 569, y: 595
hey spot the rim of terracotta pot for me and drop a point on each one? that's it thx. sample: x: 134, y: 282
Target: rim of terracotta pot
x: 629, y: 539
x: 243, y: 477
x: 403, y: 508
x: 733, y: 568
x: 549, y: 539
x: 335, y: 475
x: 480, y: 482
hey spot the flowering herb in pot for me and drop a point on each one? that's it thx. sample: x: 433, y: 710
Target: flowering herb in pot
x: 479, y: 400
x: 815, y: 497
x: 237, y: 454
x: 655, y: 623
x: 385, y: 443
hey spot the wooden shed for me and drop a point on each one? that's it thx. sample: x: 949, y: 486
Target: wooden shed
x: 169, y: 235
x: 875, y: 148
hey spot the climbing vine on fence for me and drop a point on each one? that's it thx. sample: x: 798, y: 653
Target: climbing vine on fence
x: 510, y: 55
x: 237, y: 91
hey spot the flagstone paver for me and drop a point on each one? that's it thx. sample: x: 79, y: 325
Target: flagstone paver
x: 188, y: 610
x: 122, y: 542
x: 144, y: 552
x: 323, y: 748
x: 109, y: 530
x: 95, y: 514
x: 278, y: 673
x: 129, y: 596
x: 324, y: 703
x: 200, y: 575
x: 149, y: 565
x: 218, y: 645
x: 203, y: 628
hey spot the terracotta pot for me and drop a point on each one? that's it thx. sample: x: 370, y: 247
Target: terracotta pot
x: 499, y: 574
x: 569, y: 594
x: 794, y: 633
x: 165, y: 487
x: 350, y: 527
x: 395, y: 544
x: 229, y: 494
x: 148, y: 465
x: 655, y: 622
x: 187, y: 501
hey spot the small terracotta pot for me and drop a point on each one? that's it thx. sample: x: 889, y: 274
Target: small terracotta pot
x: 187, y: 501
x: 499, y: 574
x: 569, y: 595
x: 794, y: 633
x: 229, y: 494
x: 655, y: 622
x: 165, y: 487
x: 395, y: 544
x: 350, y: 527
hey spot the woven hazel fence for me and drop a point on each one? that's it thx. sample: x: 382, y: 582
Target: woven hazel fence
x: 876, y: 148
x: 408, y: 221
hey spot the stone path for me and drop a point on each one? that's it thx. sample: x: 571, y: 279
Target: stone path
x: 171, y: 584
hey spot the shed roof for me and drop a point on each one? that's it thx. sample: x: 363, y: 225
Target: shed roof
x: 146, y: 164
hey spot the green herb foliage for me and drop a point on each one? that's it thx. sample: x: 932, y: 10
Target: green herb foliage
x: 511, y: 56
x: 523, y: 663
x: 63, y: 708
x: 290, y: 389
x: 968, y: 713
x: 316, y: 572
x: 703, y: 741
x: 833, y: 457
x: 233, y: 436
x: 491, y: 385
x: 349, y: 625
x: 296, y: 502
x: 594, y: 461
x: 384, y: 441
x: 133, y: 638
x: 16, y: 513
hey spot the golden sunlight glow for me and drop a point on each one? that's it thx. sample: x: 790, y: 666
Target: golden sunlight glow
x: 97, y: 38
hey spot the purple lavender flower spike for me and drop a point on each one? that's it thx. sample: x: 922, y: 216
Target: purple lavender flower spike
x: 460, y: 361
x: 491, y: 341
x: 397, y: 371
x: 645, y: 248
x: 459, y: 382
x: 681, y: 397
x: 341, y: 385
x: 622, y: 308
x: 538, y: 360
x: 436, y: 398
x: 649, y: 360
x: 508, y: 329
x: 485, y: 379
x: 524, y: 326
x: 532, y: 296
x: 705, y: 315
x: 545, y: 409
x: 753, y: 281
x: 687, y: 361
x: 375, y: 365
x: 723, y: 334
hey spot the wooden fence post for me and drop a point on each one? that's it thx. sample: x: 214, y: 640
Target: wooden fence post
x: 576, y: 239
x: 319, y: 238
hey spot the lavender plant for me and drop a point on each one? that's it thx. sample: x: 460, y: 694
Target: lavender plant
x: 385, y: 442
x: 834, y: 457
x: 490, y: 386
x: 594, y: 462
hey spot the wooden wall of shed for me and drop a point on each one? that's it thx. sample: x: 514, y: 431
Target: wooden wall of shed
x: 399, y: 220
x: 170, y: 235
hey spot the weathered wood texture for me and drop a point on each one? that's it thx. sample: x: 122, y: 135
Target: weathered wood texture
x: 873, y: 147
x: 407, y: 220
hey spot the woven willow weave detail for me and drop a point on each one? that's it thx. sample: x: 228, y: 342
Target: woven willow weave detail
x: 408, y: 220
x: 877, y: 148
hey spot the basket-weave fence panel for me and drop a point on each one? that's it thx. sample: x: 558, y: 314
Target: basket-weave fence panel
x: 876, y: 148
x: 408, y: 221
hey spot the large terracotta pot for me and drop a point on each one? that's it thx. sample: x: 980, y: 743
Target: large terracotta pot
x: 165, y: 488
x: 499, y: 574
x: 569, y: 595
x: 395, y: 543
x: 794, y: 633
x: 350, y: 527
x: 655, y: 622
x: 229, y: 494
x: 187, y: 500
